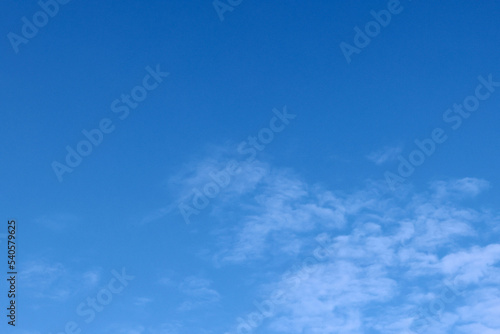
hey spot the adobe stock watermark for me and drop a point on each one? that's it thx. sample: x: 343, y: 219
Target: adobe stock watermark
x: 372, y: 29
x: 295, y: 275
x: 433, y: 310
x: 40, y: 19
x: 121, y: 107
x: 454, y: 117
x: 200, y: 197
x: 222, y: 6
x: 93, y: 305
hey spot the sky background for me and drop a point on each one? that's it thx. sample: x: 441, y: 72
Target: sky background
x: 390, y: 252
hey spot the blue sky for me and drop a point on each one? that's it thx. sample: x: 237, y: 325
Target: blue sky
x: 244, y: 175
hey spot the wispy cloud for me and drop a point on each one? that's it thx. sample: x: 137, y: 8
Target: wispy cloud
x: 198, y: 293
x: 398, y: 252
x: 199, y: 172
x: 384, y: 250
x: 53, y: 281
x: 458, y: 189
x: 283, y: 208
x: 386, y: 154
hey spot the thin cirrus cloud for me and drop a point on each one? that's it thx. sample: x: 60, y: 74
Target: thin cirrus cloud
x: 390, y: 255
x: 386, y: 154
x: 288, y: 205
x: 53, y: 281
x: 198, y: 293
x: 285, y: 208
x: 466, y: 187
x: 396, y: 252
x: 195, y: 174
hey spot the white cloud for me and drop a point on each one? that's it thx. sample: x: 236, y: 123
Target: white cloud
x: 393, y: 254
x: 47, y: 280
x: 284, y: 208
x: 198, y: 293
x: 461, y: 188
x: 331, y: 298
x: 386, y: 154
x: 471, y: 265
x: 197, y: 173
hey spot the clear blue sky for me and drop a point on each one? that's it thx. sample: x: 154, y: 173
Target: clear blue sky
x: 323, y: 174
